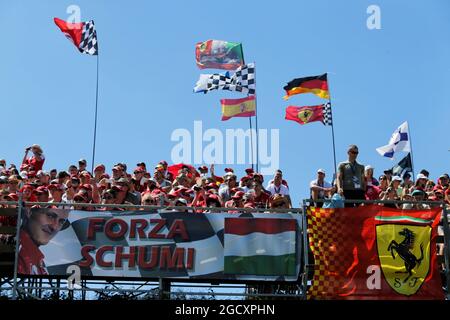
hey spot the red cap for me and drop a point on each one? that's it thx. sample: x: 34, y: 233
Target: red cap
x: 55, y: 186
x: 164, y: 162
x: 238, y: 195
x: 105, y: 175
x: 249, y: 170
x: 81, y: 196
x: 245, y: 178
x: 212, y: 185
x: 12, y: 196
x: 31, y: 174
x: 229, y: 170
x: 100, y: 167
x: 139, y: 169
x: 41, y: 189
x: 203, y: 168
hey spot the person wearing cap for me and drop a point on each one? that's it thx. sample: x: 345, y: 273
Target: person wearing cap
x: 406, y: 183
x: 389, y: 195
x: 27, y: 194
x: 418, y: 195
x: 284, y: 182
x: 73, y: 170
x: 127, y: 194
x: 236, y: 201
x: 36, y: 160
x: 277, y: 187
x: 13, y: 184
x: 38, y: 228
x: 228, y: 184
x: 443, y: 181
x: 63, y: 177
x: 99, y: 170
x: 82, y: 164
x: 388, y: 173
x: 163, y: 183
x: 395, y: 184
x: 56, y: 193
x: 351, y: 182
x: 42, y: 195
x: 117, y: 173
x: 43, y: 178
x: 425, y: 173
x: 246, y: 183
x: 421, y: 182
x: 138, y: 179
x: 203, y: 171
x: 319, y: 188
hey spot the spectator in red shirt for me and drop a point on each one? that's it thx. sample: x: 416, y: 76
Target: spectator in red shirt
x: 36, y: 160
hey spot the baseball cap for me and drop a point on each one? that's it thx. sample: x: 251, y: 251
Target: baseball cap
x: 203, y: 168
x: 417, y: 192
x: 99, y: 167
x: 249, y: 170
x: 83, y: 161
x: 368, y: 167
x: 421, y: 176
x: 229, y: 170
x: 238, y: 195
x: 321, y: 171
x: 396, y: 178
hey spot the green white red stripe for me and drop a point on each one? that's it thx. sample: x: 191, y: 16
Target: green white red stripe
x: 260, y: 246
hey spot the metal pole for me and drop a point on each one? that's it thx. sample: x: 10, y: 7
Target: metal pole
x: 332, y: 131
x: 446, y: 248
x: 95, y: 122
x: 412, y: 160
x: 256, y: 127
x: 16, y: 254
x: 251, y: 140
x: 305, y: 252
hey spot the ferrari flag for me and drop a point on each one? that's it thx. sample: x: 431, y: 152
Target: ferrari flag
x: 304, y: 115
x: 374, y: 252
x: 219, y: 54
x: 317, y: 85
x: 82, y: 35
x: 245, y: 107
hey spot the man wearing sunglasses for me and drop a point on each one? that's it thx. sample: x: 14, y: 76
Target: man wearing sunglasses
x: 350, y: 178
x: 38, y: 228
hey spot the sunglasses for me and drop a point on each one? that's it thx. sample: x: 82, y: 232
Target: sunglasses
x: 148, y: 201
x: 108, y: 197
x: 354, y: 152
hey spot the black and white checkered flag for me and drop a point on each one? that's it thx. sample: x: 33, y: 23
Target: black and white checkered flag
x: 327, y: 119
x: 242, y: 81
x: 88, y: 43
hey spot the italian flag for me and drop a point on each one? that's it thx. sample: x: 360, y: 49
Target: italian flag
x: 260, y: 246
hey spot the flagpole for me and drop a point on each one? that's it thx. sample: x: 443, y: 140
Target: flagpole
x: 95, y: 121
x: 251, y: 139
x: 412, y: 159
x: 256, y: 127
x: 332, y: 132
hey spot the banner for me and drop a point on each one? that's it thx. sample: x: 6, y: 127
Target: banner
x: 374, y: 252
x: 139, y: 244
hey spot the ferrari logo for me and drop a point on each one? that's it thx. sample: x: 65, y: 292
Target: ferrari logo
x: 404, y: 252
x: 242, y: 107
x: 305, y: 115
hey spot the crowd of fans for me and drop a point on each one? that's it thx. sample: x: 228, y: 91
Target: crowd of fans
x: 178, y: 185
x: 357, y: 182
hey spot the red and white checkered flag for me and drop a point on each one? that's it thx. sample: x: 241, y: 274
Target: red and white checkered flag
x: 82, y: 35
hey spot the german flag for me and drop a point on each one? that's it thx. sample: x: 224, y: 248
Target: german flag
x: 304, y: 115
x: 317, y: 85
x: 245, y: 107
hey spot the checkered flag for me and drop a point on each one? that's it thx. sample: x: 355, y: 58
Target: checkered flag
x: 327, y: 119
x: 242, y: 81
x: 88, y: 43
x: 82, y: 35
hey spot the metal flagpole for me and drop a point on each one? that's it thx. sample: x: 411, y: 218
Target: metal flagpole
x: 16, y: 253
x: 332, y: 131
x: 251, y: 139
x: 411, y: 152
x: 256, y: 127
x: 95, y: 122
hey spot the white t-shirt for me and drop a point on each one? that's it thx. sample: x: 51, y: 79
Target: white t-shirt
x: 315, y: 183
x: 282, y: 189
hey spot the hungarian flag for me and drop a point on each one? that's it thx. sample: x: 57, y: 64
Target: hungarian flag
x: 260, y: 246
x: 219, y: 54
x: 317, y: 85
x: 245, y: 107
x: 82, y: 35
x: 374, y: 252
x: 304, y: 115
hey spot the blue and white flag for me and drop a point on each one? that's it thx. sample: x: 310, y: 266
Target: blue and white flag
x: 399, y: 142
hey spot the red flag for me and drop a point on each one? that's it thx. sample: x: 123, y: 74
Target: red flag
x: 82, y: 35
x: 173, y: 169
x: 306, y: 114
x: 374, y: 252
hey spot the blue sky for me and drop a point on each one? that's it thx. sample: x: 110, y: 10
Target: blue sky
x: 377, y: 79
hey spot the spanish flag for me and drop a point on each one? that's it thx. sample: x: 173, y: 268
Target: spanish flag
x: 304, y: 115
x: 317, y: 85
x: 245, y: 107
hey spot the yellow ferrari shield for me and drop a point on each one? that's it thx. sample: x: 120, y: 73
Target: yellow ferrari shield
x: 305, y: 115
x: 404, y: 252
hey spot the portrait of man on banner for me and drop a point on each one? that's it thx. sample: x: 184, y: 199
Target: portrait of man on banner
x: 39, y: 226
